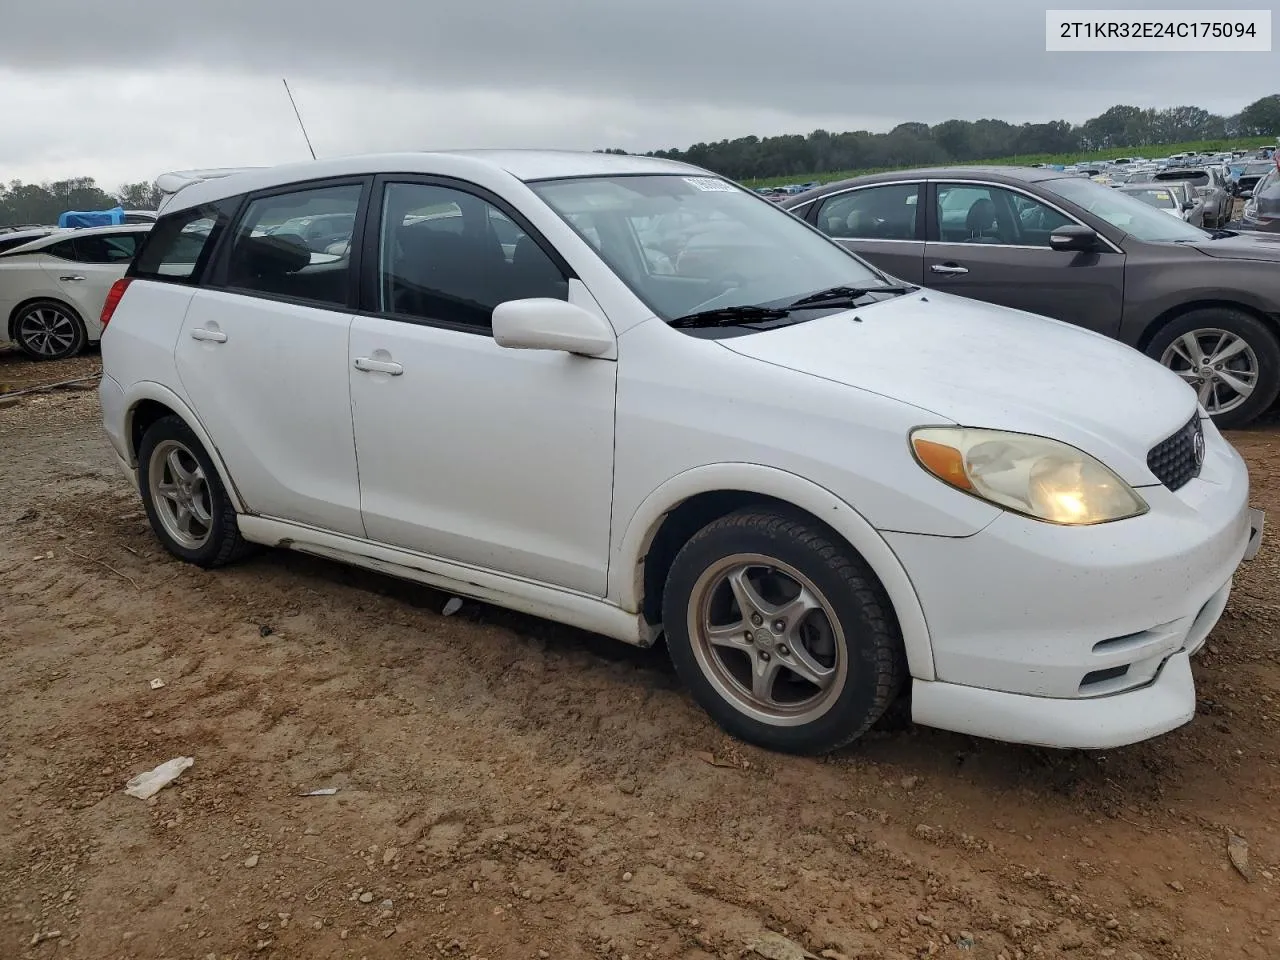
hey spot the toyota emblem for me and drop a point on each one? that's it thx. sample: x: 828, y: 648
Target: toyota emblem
x: 1197, y: 447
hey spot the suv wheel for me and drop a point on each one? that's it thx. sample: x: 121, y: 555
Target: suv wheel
x: 781, y: 632
x: 49, y: 330
x: 1230, y: 357
x: 184, y: 498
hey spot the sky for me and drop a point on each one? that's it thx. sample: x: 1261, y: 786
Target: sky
x: 125, y: 91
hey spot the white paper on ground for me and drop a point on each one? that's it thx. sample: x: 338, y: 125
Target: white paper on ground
x: 147, y: 785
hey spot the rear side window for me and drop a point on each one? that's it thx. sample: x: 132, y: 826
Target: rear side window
x: 106, y: 248
x: 8, y: 243
x: 889, y: 212
x: 296, y: 245
x: 178, y: 246
x: 63, y: 250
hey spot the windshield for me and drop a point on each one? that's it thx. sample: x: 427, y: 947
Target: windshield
x: 684, y: 243
x: 1153, y: 196
x: 1125, y: 212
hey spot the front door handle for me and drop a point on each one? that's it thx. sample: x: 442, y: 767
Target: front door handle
x: 952, y: 269
x: 68, y: 279
x: 213, y: 336
x: 369, y: 365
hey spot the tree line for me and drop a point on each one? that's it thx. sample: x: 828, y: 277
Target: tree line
x: 965, y: 141
x: 41, y: 203
x: 748, y: 158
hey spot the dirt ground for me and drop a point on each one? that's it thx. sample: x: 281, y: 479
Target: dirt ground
x: 508, y: 788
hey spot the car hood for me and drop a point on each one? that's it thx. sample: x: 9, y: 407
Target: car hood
x: 1245, y: 246
x: 985, y: 366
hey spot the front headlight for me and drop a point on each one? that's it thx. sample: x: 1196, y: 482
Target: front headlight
x: 1033, y: 476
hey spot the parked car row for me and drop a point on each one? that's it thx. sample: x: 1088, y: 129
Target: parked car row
x: 1202, y: 302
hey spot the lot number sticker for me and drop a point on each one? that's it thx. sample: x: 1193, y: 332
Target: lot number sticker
x: 709, y: 184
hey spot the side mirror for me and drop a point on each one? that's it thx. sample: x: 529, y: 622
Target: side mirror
x: 1073, y: 237
x: 543, y: 323
x: 1246, y: 194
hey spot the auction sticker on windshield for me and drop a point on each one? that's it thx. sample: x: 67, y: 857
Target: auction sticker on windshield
x: 710, y: 184
x: 1152, y: 31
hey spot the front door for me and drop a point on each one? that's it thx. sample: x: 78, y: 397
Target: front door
x: 880, y: 223
x: 262, y: 356
x: 992, y: 243
x: 496, y: 458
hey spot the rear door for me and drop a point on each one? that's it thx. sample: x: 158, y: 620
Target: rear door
x: 262, y: 356
x: 880, y: 222
x: 991, y: 242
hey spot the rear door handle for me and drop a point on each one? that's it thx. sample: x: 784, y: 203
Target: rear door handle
x: 369, y: 365
x: 67, y: 279
x: 213, y: 336
x: 949, y: 268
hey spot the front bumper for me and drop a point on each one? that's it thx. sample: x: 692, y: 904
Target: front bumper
x: 1095, y: 724
x: 1080, y: 637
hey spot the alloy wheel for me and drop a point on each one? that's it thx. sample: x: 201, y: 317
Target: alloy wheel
x: 48, y: 331
x: 180, y: 494
x: 1219, y: 364
x: 767, y: 639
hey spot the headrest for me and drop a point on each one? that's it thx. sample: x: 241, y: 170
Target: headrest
x: 273, y: 255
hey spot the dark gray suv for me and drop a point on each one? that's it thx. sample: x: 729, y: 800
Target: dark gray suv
x: 1204, y: 303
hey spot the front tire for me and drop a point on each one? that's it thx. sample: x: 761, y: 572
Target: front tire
x: 781, y: 632
x: 1231, y: 358
x: 183, y: 495
x: 49, y: 330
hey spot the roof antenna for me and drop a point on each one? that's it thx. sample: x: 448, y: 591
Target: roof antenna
x: 299, y: 116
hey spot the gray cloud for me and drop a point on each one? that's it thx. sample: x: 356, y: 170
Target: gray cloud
x: 589, y: 73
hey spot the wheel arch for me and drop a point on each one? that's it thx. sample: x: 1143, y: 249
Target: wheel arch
x: 1162, y: 320
x: 146, y: 403
x: 684, y: 504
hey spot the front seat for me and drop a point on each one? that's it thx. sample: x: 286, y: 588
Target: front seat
x: 980, y: 222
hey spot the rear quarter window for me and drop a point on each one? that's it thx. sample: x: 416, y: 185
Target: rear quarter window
x: 178, y: 247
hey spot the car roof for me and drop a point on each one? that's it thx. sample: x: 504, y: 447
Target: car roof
x: 26, y: 232
x: 995, y: 172
x: 524, y: 165
x: 49, y: 238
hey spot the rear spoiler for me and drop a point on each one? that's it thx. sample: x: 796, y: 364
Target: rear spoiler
x: 170, y: 183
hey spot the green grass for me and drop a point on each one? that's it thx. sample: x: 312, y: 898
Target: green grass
x: 1163, y: 150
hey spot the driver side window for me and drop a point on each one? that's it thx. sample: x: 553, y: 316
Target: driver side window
x: 448, y: 256
x: 973, y: 213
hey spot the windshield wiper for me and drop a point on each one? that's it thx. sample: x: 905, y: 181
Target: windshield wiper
x: 731, y: 316
x: 845, y: 294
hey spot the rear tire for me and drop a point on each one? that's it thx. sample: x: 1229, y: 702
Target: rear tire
x: 49, y: 330
x: 183, y: 495
x: 782, y: 633
x: 1256, y: 363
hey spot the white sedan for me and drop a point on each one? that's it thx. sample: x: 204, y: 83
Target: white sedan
x: 52, y: 288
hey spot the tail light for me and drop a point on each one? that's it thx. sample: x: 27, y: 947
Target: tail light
x: 113, y: 299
